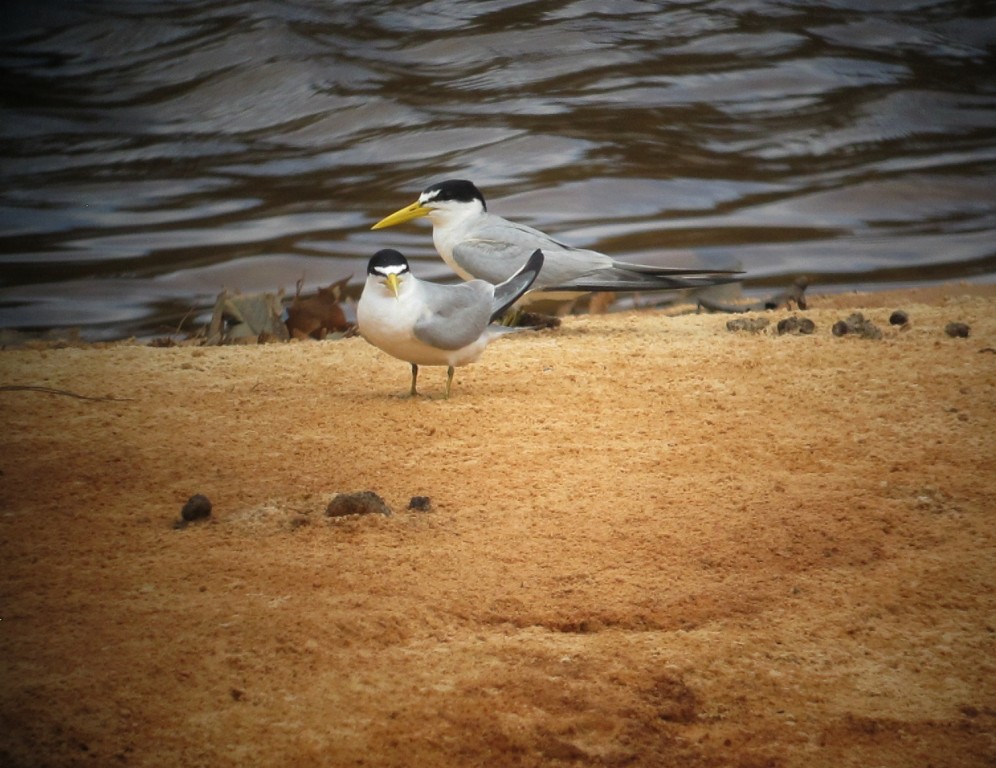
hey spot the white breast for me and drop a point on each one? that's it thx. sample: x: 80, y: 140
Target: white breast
x: 387, y: 323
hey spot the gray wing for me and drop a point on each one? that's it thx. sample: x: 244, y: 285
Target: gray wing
x: 497, y: 248
x: 455, y: 315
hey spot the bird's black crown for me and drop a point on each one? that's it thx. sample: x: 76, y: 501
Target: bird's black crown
x: 387, y: 260
x: 458, y: 190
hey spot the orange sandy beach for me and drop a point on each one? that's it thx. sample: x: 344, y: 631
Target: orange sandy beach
x: 648, y: 541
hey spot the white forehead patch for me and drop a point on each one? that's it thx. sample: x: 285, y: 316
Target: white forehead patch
x: 391, y: 269
x: 428, y: 196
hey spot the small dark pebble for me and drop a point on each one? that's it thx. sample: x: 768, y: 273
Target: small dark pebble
x: 795, y: 324
x: 420, y: 503
x: 197, y: 507
x: 899, y: 318
x: 751, y: 324
x: 361, y: 503
x: 957, y: 330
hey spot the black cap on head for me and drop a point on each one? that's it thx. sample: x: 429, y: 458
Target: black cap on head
x: 387, y: 260
x: 459, y: 190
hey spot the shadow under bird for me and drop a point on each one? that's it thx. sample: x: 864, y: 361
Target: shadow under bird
x: 478, y: 244
x: 428, y: 323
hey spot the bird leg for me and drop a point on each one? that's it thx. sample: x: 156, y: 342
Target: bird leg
x: 414, y: 392
x: 449, y: 381
x: 512, y: 317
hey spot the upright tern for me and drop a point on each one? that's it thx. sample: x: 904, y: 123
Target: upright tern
x: 427, y: 323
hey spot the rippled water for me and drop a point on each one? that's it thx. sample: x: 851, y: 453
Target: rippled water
x: 155, y: 152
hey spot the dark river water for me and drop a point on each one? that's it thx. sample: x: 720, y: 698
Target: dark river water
x: 155, y: 152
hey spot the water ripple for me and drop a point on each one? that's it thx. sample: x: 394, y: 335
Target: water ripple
x: 153, y: 153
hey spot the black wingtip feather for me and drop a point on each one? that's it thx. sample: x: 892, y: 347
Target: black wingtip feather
x: 643, y: 280
x: 508, y: 292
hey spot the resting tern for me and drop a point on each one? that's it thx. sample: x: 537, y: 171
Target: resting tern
x: 478, y: 244
x: 427, y: 323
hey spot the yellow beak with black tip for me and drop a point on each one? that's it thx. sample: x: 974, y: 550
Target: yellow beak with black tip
x: 413, y: 211
x: 394, y: 283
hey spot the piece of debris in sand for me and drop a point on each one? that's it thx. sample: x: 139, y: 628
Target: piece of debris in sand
x: 317, y: 316
x: 794, y: 294
x: 535, y: 320
x: 360, y: 503
x: 253, y: 318
x: 749, y: 324
x: 856, y: 325
x: 420, y: 504
x: 899, y: 318
x: 198, y: 507
x: 796, y: 325
x: 957, y: 330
